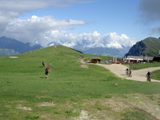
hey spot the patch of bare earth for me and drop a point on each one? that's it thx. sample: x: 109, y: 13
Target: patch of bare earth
x: 22, y: 107
x: 46, y: 104
x: 46, y: 117
x: 116, y: 106
x: 43, y: 96
x: 83, y: 64
x: 113, y: 108
x: 142, y: 102
x: 83, y: 116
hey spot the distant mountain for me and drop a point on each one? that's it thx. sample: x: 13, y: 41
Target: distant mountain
x: 113, y: 46
x: 9, y: 46
x: 107, y: 51
x: 149, y: 46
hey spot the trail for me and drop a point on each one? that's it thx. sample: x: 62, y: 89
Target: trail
x: 138, y: 75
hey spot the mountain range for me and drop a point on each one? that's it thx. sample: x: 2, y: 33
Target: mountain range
x: 147, y: 47
x: 9, y: 46
x: 107, y: 51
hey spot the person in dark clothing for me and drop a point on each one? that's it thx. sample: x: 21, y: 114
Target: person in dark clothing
x: 148, y: 75
x: 127, y: 71
x: 46, y: 72
x: 43, y: 64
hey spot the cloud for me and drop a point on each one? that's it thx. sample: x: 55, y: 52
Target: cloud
x: 84, y: 41
x: 48, y: 31
x: 150, y: 10
x: 37, y: 28
x: 12, y: 9
x: 155, y: 30
x: 150, y: 14
x: 114, y: 40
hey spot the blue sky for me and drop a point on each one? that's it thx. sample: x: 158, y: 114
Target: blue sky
x: 104, y: 16
x: 69, y: 22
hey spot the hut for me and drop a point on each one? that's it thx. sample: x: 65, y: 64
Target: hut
x: 137, y: 59
x: 133, y: 59
x: 95, y: 60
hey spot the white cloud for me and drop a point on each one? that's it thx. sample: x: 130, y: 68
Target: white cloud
x: 11, y: 9
x: 47, y: 30
x: 114, y: 40
x: 150, y: 10
x: 38, y: 28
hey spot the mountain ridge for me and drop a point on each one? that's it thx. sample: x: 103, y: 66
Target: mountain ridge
x: 148, y: 47
x: 10, y: 46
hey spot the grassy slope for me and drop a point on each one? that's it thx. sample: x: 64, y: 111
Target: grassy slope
x: 156, y: 75
x: 146, y: 65
x: 22, y: 83
x: 152, y: 45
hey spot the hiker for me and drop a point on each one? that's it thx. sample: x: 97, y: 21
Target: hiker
x: 148, y: 75
x: 46, y: 72
x: 129, y: 73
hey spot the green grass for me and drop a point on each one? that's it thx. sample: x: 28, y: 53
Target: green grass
x: 137, y: 115
x: 144, y: 65
x: 22, y: 83
x: 156, y: 75
x: 152, y: 46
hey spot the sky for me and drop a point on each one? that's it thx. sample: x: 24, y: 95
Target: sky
x: 80, y: 23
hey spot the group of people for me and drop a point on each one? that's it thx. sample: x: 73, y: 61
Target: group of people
x: 129, y: 74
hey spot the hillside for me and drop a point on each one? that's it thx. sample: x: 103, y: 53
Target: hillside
x: 73, y: 91
x: 149, y: 46
x: 9, y: 46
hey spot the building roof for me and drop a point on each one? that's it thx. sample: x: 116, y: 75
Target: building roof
x: 140, y: 58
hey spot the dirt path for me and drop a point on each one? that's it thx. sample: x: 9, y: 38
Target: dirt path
x: 138, y: 75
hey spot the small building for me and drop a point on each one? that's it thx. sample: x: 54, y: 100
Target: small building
x: 137, y: 59
x: 95, y: 60
x: 147, y: 58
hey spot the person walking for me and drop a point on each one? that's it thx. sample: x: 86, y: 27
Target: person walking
x: 46, y: 72
x: 148, y: 75
x: 129, y: 73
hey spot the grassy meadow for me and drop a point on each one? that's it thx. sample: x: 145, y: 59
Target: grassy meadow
x: 156, y: 75
x: 72, y: 91
x: 144, y: 65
